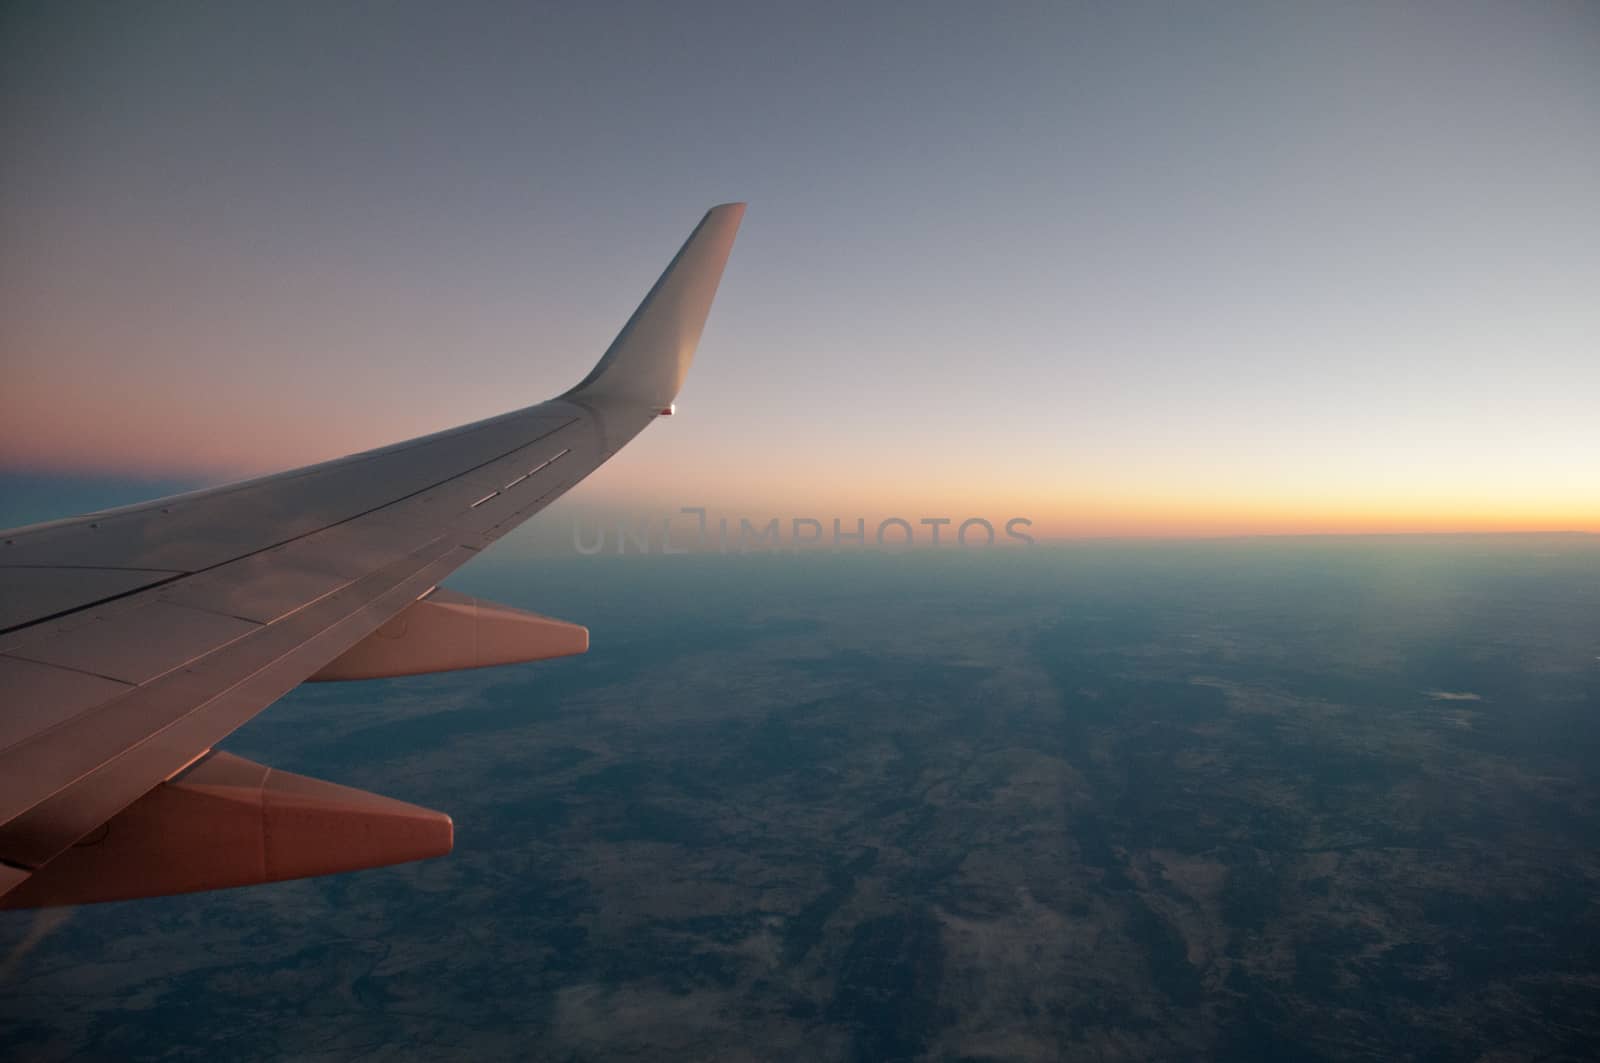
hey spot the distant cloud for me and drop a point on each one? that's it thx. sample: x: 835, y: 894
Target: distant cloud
x: 1446, y: 695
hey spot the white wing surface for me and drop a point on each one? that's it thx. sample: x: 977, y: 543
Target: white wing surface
x: 133, y: 641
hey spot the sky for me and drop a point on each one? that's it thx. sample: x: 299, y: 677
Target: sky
x: 1121, y: 269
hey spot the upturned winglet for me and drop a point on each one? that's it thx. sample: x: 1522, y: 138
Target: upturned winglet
x: 646, y: 363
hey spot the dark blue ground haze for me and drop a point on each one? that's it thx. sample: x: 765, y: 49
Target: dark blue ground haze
x: 1098, y: 801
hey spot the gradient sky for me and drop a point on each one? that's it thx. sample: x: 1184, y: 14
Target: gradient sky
x: 1123, y: 269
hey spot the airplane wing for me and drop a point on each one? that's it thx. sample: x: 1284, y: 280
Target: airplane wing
x: 132, y: 641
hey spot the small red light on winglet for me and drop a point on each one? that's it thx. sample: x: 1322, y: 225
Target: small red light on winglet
x: 669, y: 409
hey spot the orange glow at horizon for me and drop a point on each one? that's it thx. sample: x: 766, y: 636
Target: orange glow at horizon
x: 1093, y: 516
x: 663, y: 473
x: 667, y: 470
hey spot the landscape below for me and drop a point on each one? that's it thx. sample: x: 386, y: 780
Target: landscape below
x: 1299, y: 798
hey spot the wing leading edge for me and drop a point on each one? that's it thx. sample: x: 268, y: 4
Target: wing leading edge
x: 134, y: 640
